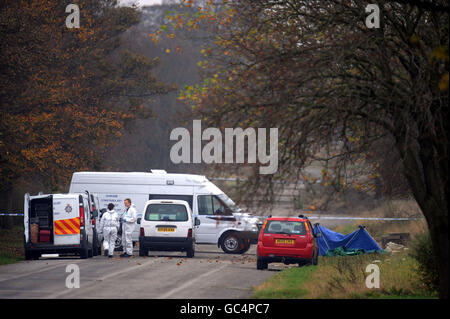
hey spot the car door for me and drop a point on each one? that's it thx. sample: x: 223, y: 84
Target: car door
x: 214, y: 217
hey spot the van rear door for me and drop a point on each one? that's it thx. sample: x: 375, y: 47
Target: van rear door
x: 167, y: 219
x: 66, y: 216
x: 26, y: 221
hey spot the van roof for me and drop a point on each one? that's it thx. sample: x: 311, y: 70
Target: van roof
x: 58, y: 195
x: 137, y: 178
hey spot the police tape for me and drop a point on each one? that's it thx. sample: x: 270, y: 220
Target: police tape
x: 310, y: 217
x: 355, y: 218
x: 363, y: 218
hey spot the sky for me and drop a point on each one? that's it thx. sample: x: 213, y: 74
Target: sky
x: 141, y: 2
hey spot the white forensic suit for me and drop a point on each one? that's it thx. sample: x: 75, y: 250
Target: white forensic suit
x: 109, y: 224
x: 128, y: 224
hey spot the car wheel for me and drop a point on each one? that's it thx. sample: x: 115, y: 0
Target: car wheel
x: 143, y: 252
x: 231, y: 243
x: 261, y: 265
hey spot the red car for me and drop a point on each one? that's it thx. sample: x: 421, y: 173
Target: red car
x: 289, y: 240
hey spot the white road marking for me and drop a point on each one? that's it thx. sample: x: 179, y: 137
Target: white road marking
x: 190, y: 282
x: 95, y: 281
x: 38, y: 271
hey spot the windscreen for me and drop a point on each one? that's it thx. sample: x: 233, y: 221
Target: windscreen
x: 285, y: 227
x: 228, y: 201
x: 166, y: 212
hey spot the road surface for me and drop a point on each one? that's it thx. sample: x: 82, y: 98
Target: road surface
x: 211, y: 274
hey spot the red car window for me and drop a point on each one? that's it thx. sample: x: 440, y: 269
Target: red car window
x: 285, y: 227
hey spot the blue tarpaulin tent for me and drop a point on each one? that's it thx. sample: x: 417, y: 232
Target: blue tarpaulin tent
x: 357, y: 240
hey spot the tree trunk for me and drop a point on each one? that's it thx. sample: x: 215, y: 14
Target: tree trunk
x: 428, y: 187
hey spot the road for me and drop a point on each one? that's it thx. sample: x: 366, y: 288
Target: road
x: 211, y: 274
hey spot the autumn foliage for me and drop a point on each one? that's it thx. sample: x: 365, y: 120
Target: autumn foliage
x: 350, y: 97
x: 65, y: 94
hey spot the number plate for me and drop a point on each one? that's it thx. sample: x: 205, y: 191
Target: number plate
x: 166, y: 229
x: 284, y: 241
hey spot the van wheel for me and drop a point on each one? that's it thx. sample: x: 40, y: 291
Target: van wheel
x: 84, y: 251
x: 31, y: 256
x: 99, y: 249
x: 245, y: 246
x: 95, y: 245
x: 231, y: 243
x: 190, y: 252
x: 28, y: 255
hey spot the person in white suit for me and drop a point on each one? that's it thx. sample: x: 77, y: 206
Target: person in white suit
x: 128, y: 225
x: 109, y: 224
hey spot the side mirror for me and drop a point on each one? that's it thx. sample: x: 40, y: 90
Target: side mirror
x: 139, y: 220
x: 197, y: 222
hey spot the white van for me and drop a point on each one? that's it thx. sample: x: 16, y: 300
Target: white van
x: 167, y: 225
x: 221, y: 221
x: 58, y: 224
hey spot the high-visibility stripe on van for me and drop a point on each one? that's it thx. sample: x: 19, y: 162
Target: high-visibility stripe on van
x: 67, y: 226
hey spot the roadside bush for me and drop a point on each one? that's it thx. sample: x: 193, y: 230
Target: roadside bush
x: 422, y: 251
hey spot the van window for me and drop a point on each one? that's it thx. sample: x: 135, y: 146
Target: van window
x: 166, y: 212
x: 212, y: 205
x: 285, y: 227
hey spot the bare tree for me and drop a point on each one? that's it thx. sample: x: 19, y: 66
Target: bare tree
x: 336, y: 88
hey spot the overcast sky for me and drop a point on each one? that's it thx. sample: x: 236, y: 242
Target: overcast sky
x: 141, y: 2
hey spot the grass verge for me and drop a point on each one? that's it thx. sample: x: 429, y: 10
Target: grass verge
x: 11, y: 245
x: 344, y: 277
x: 285, y: 285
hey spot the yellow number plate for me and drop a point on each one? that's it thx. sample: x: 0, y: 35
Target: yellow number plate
x: 166, y: 229
x: 284, y: 241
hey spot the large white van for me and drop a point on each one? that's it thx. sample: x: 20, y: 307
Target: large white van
x: 221, y: 221
x: 58, y: 224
